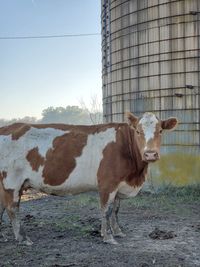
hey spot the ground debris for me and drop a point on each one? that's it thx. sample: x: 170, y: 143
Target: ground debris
x: 95, y: 227
x: 65, y: 265
x: 161, y: 234
x: 196, y: 227
x: 28, y: 217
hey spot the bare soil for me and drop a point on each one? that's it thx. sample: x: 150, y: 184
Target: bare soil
x: 162, y: 230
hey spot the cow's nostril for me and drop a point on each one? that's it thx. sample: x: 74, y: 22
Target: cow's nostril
x: 151, y: 155
x: 155, y: 154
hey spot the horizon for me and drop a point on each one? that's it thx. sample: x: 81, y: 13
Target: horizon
x: 40, y: 117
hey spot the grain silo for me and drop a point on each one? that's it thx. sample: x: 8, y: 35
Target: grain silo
x: 151, y: 62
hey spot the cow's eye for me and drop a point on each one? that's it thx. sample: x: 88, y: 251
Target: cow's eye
x: 160, y: 131
x: 138, y: 132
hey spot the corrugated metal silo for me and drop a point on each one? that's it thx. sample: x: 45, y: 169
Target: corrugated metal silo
x: 151, y: 62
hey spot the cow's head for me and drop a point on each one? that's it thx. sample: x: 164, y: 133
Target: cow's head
x: 149, y: 130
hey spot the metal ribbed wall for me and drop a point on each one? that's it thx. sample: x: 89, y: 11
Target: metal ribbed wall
x: 151, y: 62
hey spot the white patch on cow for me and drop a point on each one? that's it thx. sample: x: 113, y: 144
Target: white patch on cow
x: 84, y: 176
x: 148, y: 122
x: 112, y: 196
x: 126, y: 191
x: 13, y: 156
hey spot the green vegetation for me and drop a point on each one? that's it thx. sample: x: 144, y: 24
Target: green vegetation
x: 68, y: 115
x: 71, y: 221
x: 168, y: 199
x: 83, y: 199
x: 177, y: 169
x: 190, y: 192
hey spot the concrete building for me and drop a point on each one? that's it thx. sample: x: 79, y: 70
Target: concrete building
x: 151, y: 62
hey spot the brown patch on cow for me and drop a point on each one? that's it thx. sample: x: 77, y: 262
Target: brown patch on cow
x: 121, y: 162
x: 6, y: 195
x: 19, y: 129
x: 138, y: 168
x: 3, y: 175
x: 169, y: 124
x: 16, y: 130
x: 35, y: 159
x: 60, y: 161
x: 91, y: 129
x: 132, y: 119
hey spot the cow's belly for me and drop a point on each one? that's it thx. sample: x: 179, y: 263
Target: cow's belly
x: 79, y: 181
x: 126, y: 191
x: 64, y: 190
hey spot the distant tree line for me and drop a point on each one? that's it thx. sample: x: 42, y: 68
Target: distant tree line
x: 68, y: 115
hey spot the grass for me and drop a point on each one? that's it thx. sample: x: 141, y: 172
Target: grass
x: 168, y: 199
x: 72, y: 223
x: 83, y: 199
x: 188, y: 192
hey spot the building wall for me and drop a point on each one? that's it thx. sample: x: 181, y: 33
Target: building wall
x: 151, y: 62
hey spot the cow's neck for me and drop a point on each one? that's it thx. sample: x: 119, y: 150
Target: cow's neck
x: 138, y: 169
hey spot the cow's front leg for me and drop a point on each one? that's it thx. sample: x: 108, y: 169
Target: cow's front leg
x: 114, y: 219
x: 107, y: 209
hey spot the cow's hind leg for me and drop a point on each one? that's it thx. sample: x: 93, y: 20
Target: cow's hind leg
x: 13, y: 213
x: 2, y: 204
x: 114, y: 219
x: 2, y: 208
x: 12, y: 208
x: 107, y: 204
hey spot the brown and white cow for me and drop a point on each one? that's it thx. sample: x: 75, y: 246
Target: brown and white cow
x: 65, y: 159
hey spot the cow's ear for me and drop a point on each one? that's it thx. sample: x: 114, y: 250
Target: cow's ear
x: 132, y: 120
x: 169, y: 124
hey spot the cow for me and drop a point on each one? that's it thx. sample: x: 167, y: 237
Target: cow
x: 62, y: 159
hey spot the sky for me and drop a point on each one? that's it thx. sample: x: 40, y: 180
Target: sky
x: 38, y: 73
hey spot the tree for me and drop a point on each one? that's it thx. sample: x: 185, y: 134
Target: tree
x: 26, y: 119
x: 69, y: 115
x: 95, y: 109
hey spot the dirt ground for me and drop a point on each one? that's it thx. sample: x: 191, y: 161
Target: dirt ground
x: 162, y: 230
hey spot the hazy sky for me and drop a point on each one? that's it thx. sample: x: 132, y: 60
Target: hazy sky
x: 38, y: 73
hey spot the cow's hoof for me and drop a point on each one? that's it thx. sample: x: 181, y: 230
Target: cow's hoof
x: 4, y: 237
x: 119, y: 234
x: 26, y: 242
x: 110, y: 240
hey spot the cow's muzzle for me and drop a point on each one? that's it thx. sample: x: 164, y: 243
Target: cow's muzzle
x: 151, y: 156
